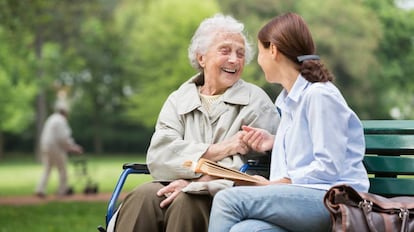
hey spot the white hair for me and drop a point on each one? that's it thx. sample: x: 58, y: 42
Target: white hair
x: 61, y: 105
x: 204, y: 36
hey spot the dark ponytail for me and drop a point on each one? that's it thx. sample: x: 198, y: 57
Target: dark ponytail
x: 315, y: 71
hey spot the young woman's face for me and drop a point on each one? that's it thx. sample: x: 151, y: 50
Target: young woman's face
x: 266, y: 62
x: 224, y: 61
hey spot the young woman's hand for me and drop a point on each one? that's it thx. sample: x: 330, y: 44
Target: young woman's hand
x: 258, y: 139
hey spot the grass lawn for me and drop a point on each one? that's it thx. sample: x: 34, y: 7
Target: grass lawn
x: 19, y: 175
x: 53, y: 217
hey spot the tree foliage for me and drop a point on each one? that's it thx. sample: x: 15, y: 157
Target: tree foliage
x: 119, y: 59
x: 395, y: 54
x: 347, y: 45
x: 16, y: 89
x: 156, y: 52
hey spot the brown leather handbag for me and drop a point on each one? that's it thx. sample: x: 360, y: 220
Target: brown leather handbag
x: 357, y: 211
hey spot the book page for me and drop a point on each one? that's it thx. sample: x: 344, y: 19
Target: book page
x: 214, y: 169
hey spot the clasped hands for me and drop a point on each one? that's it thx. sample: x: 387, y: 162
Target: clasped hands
x: 249, y: 138
x: 257, y: 139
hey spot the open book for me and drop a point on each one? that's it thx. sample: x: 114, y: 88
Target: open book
x: 211, y: 168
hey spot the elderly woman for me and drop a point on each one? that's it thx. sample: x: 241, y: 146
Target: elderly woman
x: 201, y: 119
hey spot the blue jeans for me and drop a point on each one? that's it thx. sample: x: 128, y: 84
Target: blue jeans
x: 279, y: 207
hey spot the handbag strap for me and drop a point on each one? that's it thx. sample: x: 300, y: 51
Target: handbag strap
x: 366, y: 207
x: 404, y: 215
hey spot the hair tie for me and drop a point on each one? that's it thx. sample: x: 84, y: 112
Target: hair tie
x: 308, y: 57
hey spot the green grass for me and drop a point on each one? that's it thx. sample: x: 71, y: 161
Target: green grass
x: 53, y: 217
x: 19, y: 175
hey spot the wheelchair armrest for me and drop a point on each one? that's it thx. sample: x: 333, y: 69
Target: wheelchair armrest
x: 137, y: 167
x: 128, y: 168
x: 256, y: 167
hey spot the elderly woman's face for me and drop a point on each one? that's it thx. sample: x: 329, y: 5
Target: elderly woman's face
x: 224, y: 61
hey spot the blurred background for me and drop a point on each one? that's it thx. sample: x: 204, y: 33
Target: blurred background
x: 116, y: 61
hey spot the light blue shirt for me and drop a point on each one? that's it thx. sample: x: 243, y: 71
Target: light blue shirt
x: 320, y: 140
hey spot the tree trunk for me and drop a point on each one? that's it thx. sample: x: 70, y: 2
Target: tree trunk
x: 1, y: 145
x: 97, y: 135
x: 41, y: 111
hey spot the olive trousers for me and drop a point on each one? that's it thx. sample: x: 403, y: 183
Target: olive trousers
x: 141, y: 212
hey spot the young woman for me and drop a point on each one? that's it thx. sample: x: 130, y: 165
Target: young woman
x: 319, y: 142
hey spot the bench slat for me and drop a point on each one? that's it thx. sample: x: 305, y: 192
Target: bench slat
x: 392, y: 186
x: 388, y: 126
x: 389, y: 156
x: 389, y: 165
x: 389, y: 144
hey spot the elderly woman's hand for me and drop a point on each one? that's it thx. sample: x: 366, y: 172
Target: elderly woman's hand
x: 231, y: 146
x: 171, y: 191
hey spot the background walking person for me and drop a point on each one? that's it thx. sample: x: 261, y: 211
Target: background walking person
x: 55, y: 142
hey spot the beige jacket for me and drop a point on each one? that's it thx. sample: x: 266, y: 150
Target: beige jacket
x: 184, y: 130
x: 56, y: 135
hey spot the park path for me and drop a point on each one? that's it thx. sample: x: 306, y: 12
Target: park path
x: 33, y: 200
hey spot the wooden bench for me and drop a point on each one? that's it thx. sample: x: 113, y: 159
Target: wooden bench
x: 389, y: 157
x: 389, y: 161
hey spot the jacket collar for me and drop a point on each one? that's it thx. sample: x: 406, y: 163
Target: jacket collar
x: 189, y: 99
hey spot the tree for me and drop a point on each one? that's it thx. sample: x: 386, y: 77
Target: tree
x: 340, y: 30
x: 347, y: 36
x: 156, y: 52
x: 395, y: 55
x: 98, y: 85
x: 40, y: 23
x: 16, y: 91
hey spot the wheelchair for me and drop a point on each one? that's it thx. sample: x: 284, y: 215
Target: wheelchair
x: 256, y: 167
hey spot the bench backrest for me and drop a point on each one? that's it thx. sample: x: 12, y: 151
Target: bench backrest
x: 389, y: 157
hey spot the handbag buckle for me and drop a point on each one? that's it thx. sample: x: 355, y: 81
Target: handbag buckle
x: 365, y: 205
x: 403, y: 213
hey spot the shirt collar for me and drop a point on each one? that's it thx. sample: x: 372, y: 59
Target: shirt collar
x: 285, y: 100
x: 188, y: 98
